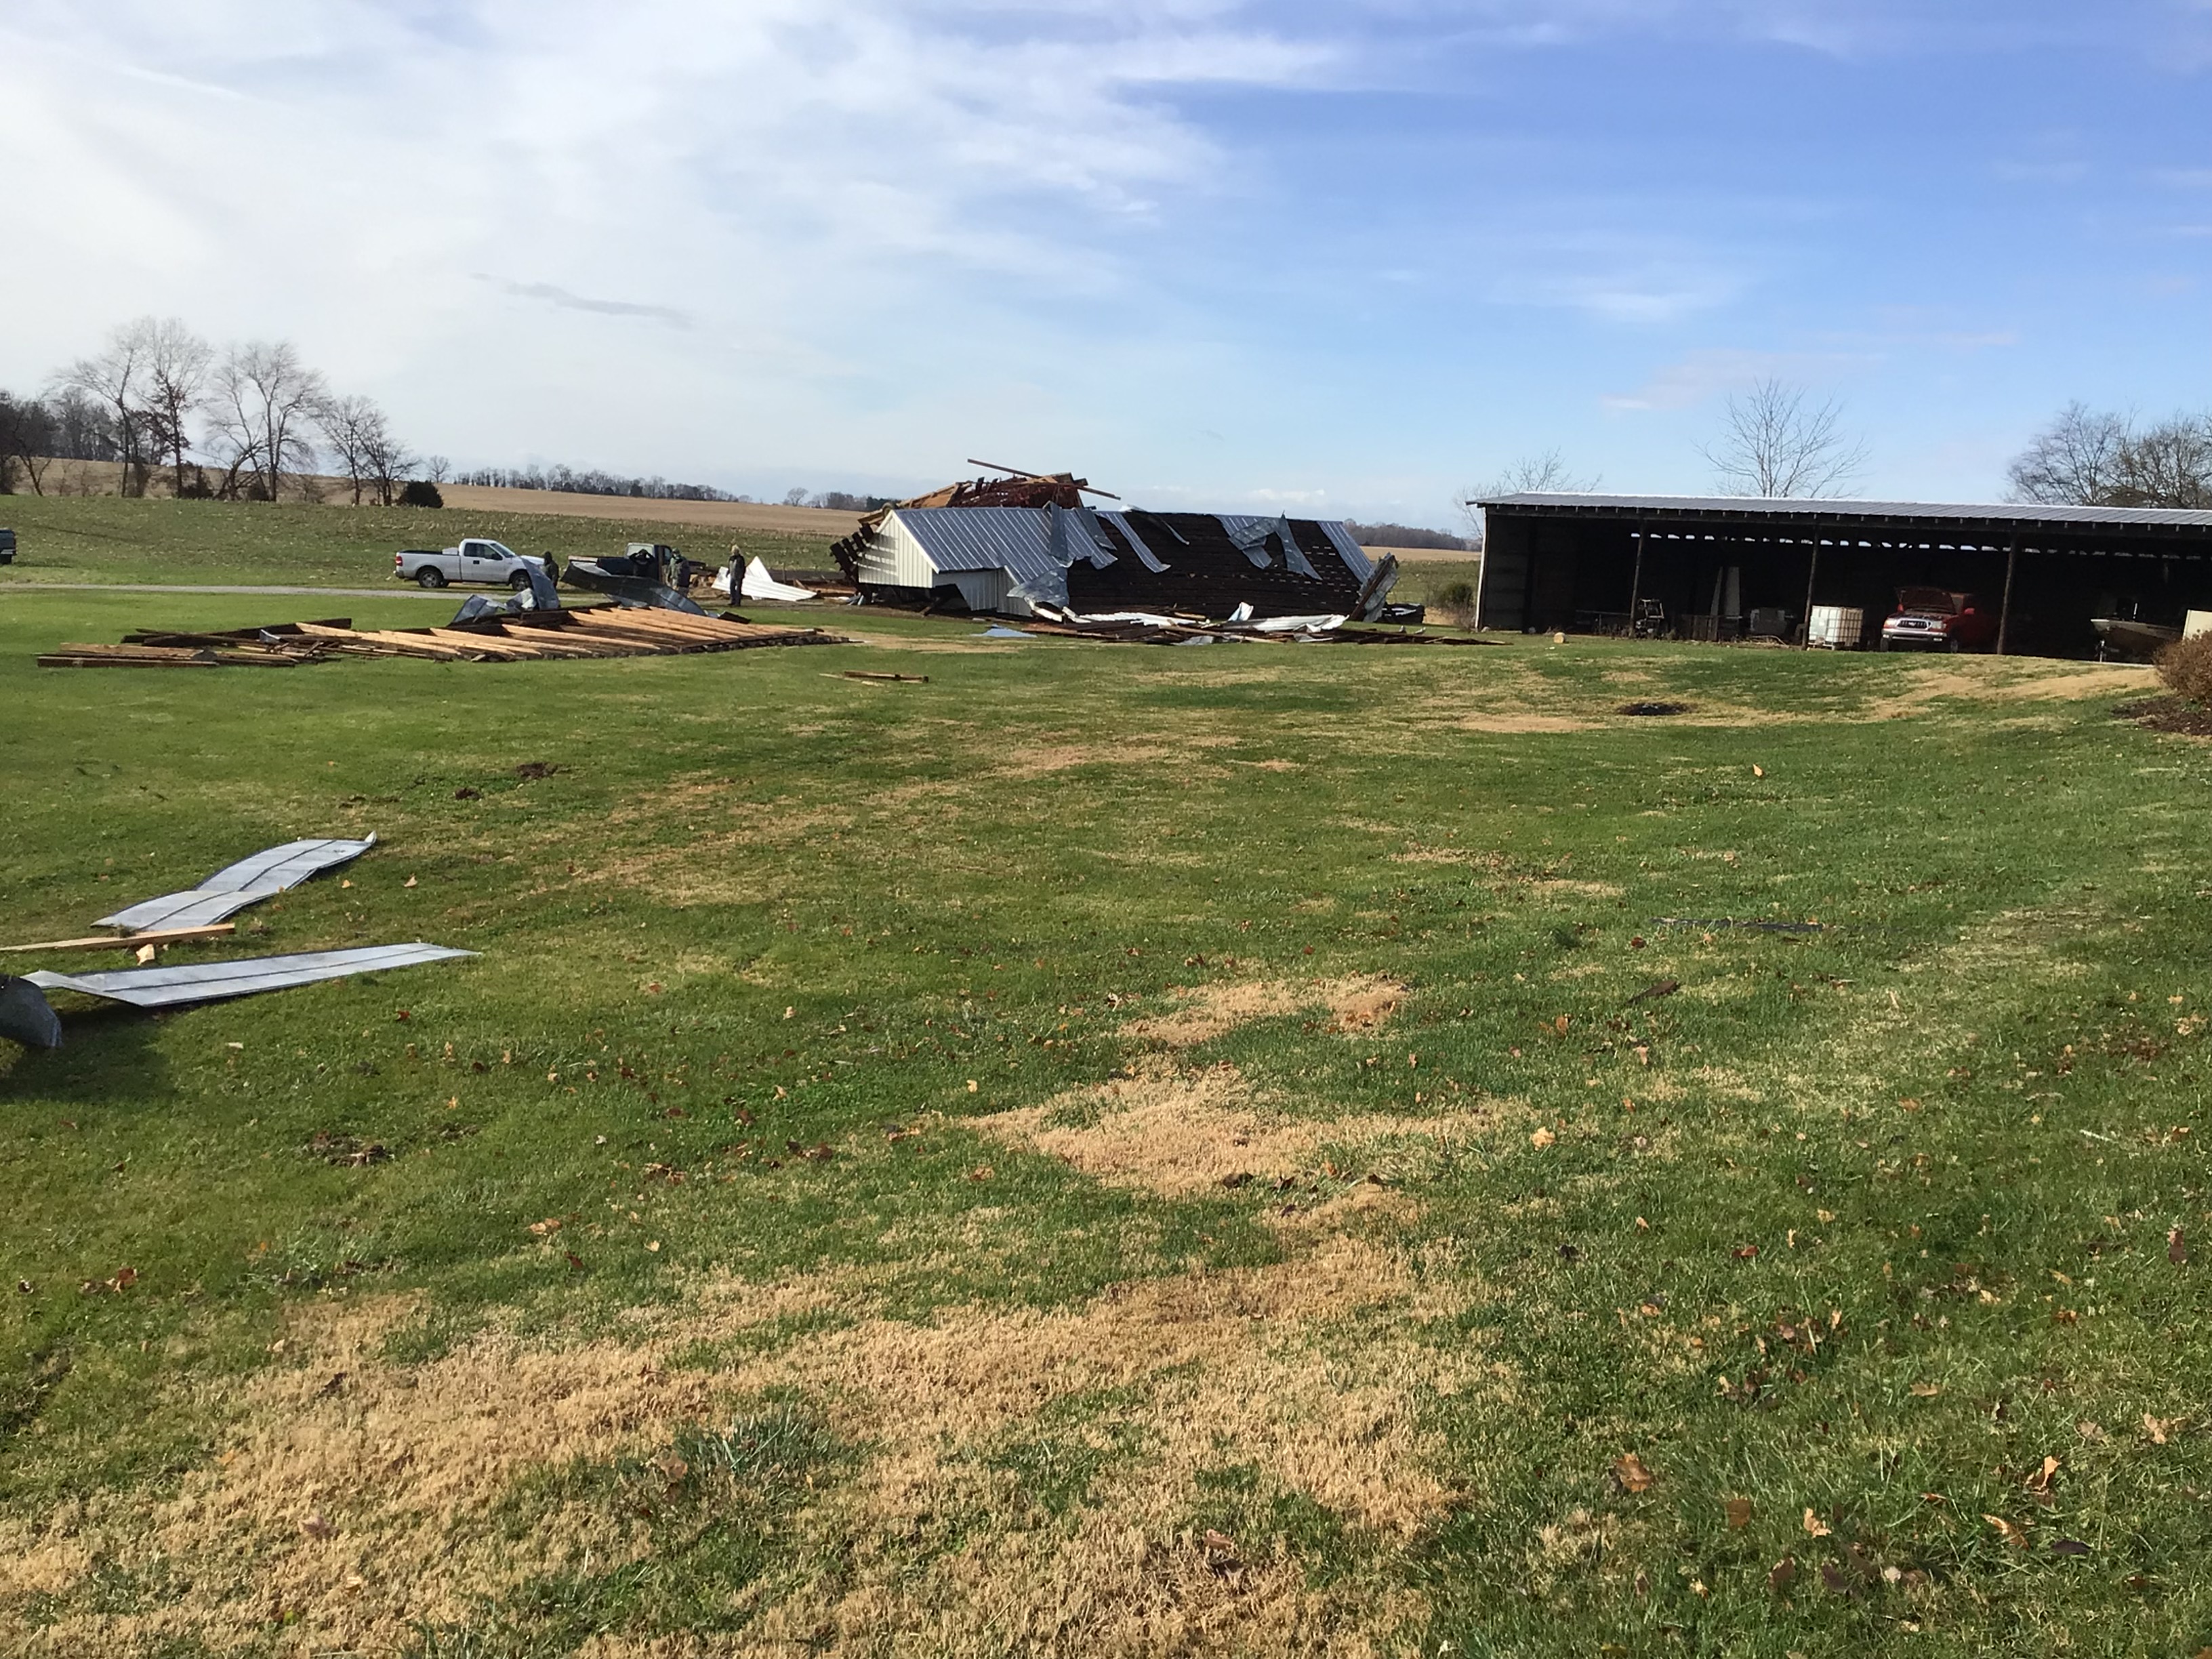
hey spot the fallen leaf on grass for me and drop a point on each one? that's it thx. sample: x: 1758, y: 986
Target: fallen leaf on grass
x: 2012, y: 1535
x: 1784, y: 1573
x: 654, y: 1247
x: 1758, y: 771
x: 2177, y: 1248
x: 1745, y: 1252
x: 1816, y: 1526
x: 2069, y: 1547
x: 1739, y: 1513
x: 1656, y: 990
x: 1629, y: 1470
x: 575, y: 1261
x: 1926, y: 1390
x: 2159, y: 1429
x: 315, y: 1527
x: 1541, y: 1138
x: 2039, y: 1482
x: 541, y: 1229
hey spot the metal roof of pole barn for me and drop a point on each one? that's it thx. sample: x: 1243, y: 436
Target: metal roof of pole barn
x: 2008, y: 517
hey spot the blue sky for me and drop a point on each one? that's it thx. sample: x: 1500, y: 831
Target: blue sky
x: 1342, y: 258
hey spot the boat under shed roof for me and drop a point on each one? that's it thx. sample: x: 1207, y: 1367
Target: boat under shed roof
x: 1710, y: 565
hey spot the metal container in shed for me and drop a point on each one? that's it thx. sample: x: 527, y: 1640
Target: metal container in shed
x: 1836, y: 627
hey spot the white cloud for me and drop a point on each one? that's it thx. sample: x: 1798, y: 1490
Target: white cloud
x: 503, y: 216
x: 1700, y: 375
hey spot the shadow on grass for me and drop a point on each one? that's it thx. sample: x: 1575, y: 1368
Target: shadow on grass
x: 110, y: 1056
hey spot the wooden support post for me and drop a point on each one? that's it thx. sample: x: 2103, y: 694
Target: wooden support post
x: 2004, y: 611
x: 1635, y: 583
x: 1812, y: 576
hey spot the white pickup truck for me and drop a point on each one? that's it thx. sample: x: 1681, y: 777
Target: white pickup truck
x: 492, y: 563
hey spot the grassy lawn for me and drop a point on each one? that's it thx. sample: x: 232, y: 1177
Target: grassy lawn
x: 103, y: 539
x: 1113, y: 1151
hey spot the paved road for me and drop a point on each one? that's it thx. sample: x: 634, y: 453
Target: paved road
x: 394, y: 592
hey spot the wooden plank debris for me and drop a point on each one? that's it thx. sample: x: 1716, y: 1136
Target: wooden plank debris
x: 586, y: 631
x: 128, y: 941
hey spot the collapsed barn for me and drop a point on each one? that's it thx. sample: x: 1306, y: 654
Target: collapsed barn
x: 1722, y: 568
x: 1011, y: 546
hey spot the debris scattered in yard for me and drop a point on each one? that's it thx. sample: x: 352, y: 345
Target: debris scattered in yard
x: 139, y: 942
x: 755, y: 581
x: 234, y: 887
x: 1653, y: 708
x: 501, y: 636
x: 213, y: 981
x: 1154, y: 627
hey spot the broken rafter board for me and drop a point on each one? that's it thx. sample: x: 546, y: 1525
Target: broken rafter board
x: 155, y: 656
x: 494, y: 644
x: 211, y: 981
x: 472, y: 643
x: 395, y: 641
x: 664, y: 624
x: 549, y: 645
x: 127, y: 941
x: 670, y: 631
x: 233, y: 887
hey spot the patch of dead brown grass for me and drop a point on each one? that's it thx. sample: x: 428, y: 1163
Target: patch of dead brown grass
x: 1179, y: 1132
x: 407, y: 1466
x: 1354, y: 1003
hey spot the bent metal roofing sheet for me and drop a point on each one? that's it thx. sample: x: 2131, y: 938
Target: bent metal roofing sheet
x: 235, y: 886
x: 211, y: 981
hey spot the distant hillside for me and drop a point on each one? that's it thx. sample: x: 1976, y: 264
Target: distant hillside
x: 1406, y: 534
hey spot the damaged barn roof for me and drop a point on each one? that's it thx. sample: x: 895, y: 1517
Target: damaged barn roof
x: 1002, y: 549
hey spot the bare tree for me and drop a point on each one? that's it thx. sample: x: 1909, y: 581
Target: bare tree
x: 388, y: 459
x: 350, y: 427
x: 2169, y: 464
x: 1546, y: 474
x: 266, y: 402
x: 176, y: 380
x: 27, y: 446
x: 1779, y: 445
x: 437, y: 469
x: 2076, y: 460
x: 115, y: 379
x: 2087, y: 458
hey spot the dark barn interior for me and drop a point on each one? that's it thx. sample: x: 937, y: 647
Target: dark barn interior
x: 1725, y: 568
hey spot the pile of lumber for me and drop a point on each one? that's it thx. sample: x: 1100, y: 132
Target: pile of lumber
x: 590, y: 631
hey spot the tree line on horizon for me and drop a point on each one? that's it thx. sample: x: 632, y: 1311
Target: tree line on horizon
x: 239, y: 423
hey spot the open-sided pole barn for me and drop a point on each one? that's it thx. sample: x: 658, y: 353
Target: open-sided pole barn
x: 1716, y: 566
